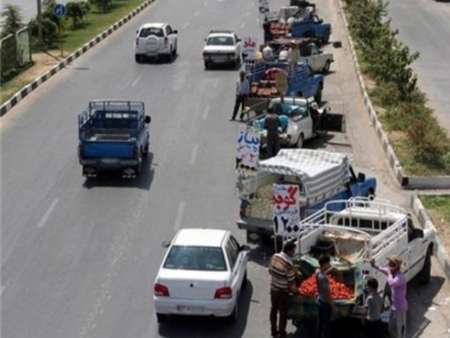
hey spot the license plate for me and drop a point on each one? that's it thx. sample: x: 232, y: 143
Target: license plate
x: 188, y: 308
x: 109, y: 160
x: 220, y: 58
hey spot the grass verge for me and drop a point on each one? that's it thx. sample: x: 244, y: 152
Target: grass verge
x: 94, y: 23
x: 438, y: 208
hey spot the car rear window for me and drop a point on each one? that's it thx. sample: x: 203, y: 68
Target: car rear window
x: 151, y: 31
x: 220, y: 41
x: 195, y: 258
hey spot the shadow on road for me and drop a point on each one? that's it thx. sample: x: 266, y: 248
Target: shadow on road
x: 178, y: 327
x: 114, y: 178
x: 420, y: 299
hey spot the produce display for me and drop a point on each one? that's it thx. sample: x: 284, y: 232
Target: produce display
x: 261, y: 206
x: 279, y: 29
x: 308, y: 288
x: 264, y: 88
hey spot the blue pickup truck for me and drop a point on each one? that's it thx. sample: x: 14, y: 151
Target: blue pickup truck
x: 312, y: 27
x: 113, y: 135
x: 302, y: 82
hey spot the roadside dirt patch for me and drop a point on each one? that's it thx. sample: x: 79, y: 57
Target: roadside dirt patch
x: 42, y: 63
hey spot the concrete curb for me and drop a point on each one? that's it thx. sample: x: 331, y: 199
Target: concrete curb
x: 23, y: 92
x: 425, y: 221
x: 407, y: 182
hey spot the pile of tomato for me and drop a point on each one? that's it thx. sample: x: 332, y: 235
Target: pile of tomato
x: 338, y: 290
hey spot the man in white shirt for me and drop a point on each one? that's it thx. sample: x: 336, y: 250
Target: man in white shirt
x: 242, y: 91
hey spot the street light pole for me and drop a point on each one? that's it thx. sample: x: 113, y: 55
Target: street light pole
x: 39, y: 19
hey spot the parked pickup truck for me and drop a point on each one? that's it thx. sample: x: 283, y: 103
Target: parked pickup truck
x: 300, y: 120
x: 310, y: 52
x: 113, y: 135
x: 353, y: 232
x: 301, y: 80
x: 311, y: 27
x: 322, y: 176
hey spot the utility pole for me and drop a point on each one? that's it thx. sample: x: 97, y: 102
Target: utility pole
x: 39, y: 19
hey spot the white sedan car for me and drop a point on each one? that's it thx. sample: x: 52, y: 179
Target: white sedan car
x: 202, y: 274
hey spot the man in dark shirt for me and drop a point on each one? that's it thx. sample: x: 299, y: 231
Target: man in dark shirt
x: 324, y: 301
x: 273, y: 139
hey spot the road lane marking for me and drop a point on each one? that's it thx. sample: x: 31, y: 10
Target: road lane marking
x: 186, y: 25
x: 47, y: 214
x: 134, y: 83
x: 2, y: 288
x: 205, y: 112
x: 179, y: 217
x: 194, y: 155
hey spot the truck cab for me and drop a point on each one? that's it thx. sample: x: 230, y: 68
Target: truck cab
x: 312, y: 27
x: 113, y: 135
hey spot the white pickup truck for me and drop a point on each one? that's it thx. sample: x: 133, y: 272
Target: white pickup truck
x: 358, y: 230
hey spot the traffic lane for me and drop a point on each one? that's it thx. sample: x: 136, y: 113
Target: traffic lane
x: 87, y: 311
x: 425, y: 28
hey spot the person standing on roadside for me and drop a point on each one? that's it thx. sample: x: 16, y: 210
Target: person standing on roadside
x: 242, y: 92
x: 373, y: 308
x: 324, y: 300
x: 267, y: 32
x: 399, y: 305
x: 271, y: 124
x: 282, y: 282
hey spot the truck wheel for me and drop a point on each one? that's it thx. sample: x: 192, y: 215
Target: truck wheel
x: 244, y: 281
x: 138, y: 58
x: 326, y: 69
x: 318, y: 96
x: 424, y: 275
x: 300, y: 141
x: 145, y: 151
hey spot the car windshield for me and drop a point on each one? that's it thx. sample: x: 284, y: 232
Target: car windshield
x: 220, y: 41
x: 290, y: 109
x: 195, y: 258
x: 151, y: 31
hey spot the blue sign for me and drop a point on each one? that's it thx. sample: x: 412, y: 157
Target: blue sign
x: 59, y: 10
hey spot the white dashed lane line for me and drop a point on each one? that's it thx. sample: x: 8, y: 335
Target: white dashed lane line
x: 47, y: 214
x: 179, y: 216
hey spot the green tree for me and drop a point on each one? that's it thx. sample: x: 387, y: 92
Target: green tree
x: 11, y: 20
x: 76, y: 11
x: 49, y: 30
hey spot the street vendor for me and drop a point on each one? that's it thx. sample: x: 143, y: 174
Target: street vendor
x: 282, y: 282
x: 271, y: 124
x: 399, y: 305
x: 267, y: 32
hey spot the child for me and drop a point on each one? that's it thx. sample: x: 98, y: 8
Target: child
x: 373, y: 307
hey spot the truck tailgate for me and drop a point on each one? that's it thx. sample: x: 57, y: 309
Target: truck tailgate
x: 105, y: 149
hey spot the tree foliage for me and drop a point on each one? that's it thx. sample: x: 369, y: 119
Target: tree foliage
x: 11, y: 20
x: 76, y: 11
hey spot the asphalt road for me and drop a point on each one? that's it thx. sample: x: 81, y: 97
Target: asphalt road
x: 425, y: 27
x: 79, y: 257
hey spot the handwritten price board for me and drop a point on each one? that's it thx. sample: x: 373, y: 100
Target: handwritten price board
x: 247, y: 156
x: 286, y: 208
x: 249, y: 48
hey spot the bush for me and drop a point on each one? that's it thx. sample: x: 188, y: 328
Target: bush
x: 76, y: 11
x: 102, y: 5
x: 11, y: 20
x: 49, y: 30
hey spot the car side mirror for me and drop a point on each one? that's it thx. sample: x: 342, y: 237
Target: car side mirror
x: 238, y: 40
x: 175, y: 31
x: 147, y: 119
x: 165, y: 244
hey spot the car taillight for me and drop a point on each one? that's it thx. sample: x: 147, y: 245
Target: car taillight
x: 161, y: 290
x: 166, y: 41
x: 224, y: 293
